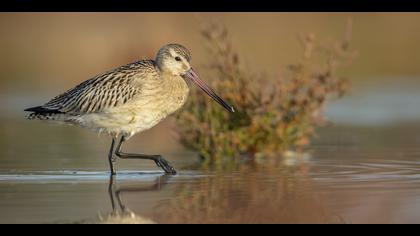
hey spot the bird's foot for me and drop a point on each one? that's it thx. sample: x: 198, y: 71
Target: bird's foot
x: 164, y: 164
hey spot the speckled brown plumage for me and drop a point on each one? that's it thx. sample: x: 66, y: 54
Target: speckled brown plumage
x: 129, y: 99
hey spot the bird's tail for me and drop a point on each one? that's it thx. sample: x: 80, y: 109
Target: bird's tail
x: 42, y: 113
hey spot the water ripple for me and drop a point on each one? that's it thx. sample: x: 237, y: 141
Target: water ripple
x: 384, y: 174
x: 73, y: 176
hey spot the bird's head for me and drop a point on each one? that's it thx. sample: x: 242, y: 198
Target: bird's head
x: 174, y: 59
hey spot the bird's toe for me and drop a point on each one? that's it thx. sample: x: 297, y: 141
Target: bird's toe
x: 166, y: 166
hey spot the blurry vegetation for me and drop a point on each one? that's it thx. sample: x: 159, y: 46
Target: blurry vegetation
x: 273, y: 115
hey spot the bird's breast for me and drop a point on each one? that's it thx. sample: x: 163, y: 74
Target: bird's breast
x: 175, y: 99
x: 154, y: 105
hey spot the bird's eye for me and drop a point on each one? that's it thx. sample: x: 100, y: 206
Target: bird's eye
x: 177, y: 58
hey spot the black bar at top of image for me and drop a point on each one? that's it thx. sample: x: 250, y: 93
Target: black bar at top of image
x: 207, y: 5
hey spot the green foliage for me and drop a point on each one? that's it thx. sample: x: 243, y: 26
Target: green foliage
x: 273, y: 114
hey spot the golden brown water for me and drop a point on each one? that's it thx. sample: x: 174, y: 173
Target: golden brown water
x: 53, y: 174
x: 363, y: 169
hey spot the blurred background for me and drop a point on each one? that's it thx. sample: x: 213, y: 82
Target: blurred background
x: 371, y: 147
x: 47, y: 53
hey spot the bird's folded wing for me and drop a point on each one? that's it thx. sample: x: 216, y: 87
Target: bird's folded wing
x: 102, y: 92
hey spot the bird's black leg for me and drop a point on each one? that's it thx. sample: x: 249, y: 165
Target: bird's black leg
x: 111, y: 158
x: 162, y: 163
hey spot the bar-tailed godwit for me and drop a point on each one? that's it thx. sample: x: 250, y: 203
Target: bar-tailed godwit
x: 129, y: 99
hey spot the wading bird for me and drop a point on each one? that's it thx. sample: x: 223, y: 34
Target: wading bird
x: 129, y: 99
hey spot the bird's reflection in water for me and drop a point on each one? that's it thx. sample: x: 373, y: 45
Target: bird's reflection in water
x: 271, y: 192
x: 121, y: 214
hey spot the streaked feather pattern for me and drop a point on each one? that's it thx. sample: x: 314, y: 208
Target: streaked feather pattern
x: 104, y: 91
x: 129, y: 99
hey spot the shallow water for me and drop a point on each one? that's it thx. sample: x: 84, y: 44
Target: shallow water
x: 363, y: 169
x: 53, y: 174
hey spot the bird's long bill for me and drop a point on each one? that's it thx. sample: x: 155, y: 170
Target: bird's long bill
x: 194, y: 77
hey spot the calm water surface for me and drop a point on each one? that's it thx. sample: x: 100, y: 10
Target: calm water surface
x: 353, y: 173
